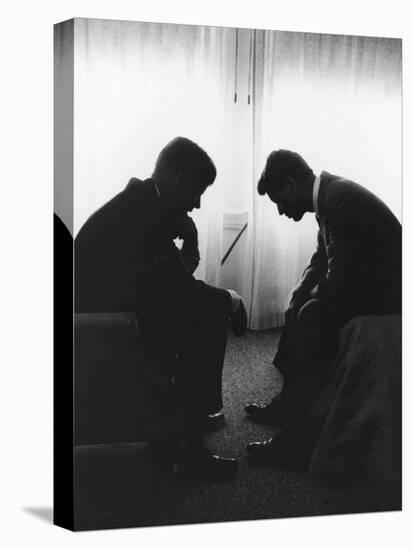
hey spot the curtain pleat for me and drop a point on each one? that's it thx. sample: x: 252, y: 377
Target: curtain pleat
x: 334, y: 99
x: 137, y: 86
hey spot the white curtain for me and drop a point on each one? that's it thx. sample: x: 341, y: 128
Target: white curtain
x: 337, y: 101
x: 138, y: 85
x: 334, y: 99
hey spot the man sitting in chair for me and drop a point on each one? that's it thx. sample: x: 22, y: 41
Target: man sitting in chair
x: 126, y: 260
x: 355, y: 270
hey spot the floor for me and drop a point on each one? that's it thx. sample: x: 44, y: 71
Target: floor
x: 116, y: 485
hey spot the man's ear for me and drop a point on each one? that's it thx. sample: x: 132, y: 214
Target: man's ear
x: 182, y: 180
x: 293, y: 183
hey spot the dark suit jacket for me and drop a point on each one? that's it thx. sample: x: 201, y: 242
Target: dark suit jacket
x: 359, y: 251
x: 126, y: 260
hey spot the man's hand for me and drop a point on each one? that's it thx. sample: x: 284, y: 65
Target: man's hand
x: 184, y: 228
x: 297, y: 299
x: 236, y: 300
x: 238, y: 316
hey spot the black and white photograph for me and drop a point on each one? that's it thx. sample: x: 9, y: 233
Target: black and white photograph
x: 205, y: 299
x: 234, y: 198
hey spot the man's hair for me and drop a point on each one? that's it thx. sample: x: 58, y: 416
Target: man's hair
x: 279, y: 165
x: 183, y: 156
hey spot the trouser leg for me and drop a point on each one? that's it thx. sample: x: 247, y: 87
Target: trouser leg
x: 197, y: 333
x: 306, y: 352
x: 290, y: 354
x: 306, y: 356
x: 309, y: 343
x: 212, y: 361
x: 201, y: 352
x: 202, y: 342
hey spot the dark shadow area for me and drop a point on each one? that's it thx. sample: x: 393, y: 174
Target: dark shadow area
x: 63, y: 376
x: 116, y: 485
x: 41, y: 512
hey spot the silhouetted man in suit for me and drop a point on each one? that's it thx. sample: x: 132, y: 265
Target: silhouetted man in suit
x: 355, y: 270
x: 126, y: 260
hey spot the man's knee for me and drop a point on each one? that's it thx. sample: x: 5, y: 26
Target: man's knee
x: 316, y: 324
x: 318, y: 327
x: 311, y: 315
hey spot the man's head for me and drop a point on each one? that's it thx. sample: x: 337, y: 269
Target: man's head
x: 288, y: 181
x: 183, y: 171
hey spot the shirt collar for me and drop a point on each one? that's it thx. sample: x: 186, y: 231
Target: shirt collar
x: 156, y: 189
x: 316, y: 195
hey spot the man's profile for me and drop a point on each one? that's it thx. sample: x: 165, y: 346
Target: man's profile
x: 355, y: 270
x: 127, y: 260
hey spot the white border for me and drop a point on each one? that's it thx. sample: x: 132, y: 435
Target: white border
x: 26, y: 270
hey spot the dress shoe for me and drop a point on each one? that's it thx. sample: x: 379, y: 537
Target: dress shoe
x: 261, y: 449
x: 291, y: 448
x: 269, y: 452
x: 272, y: 412
x: 202, y: 464
x: 216, y: 414
x: 289, y: 407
